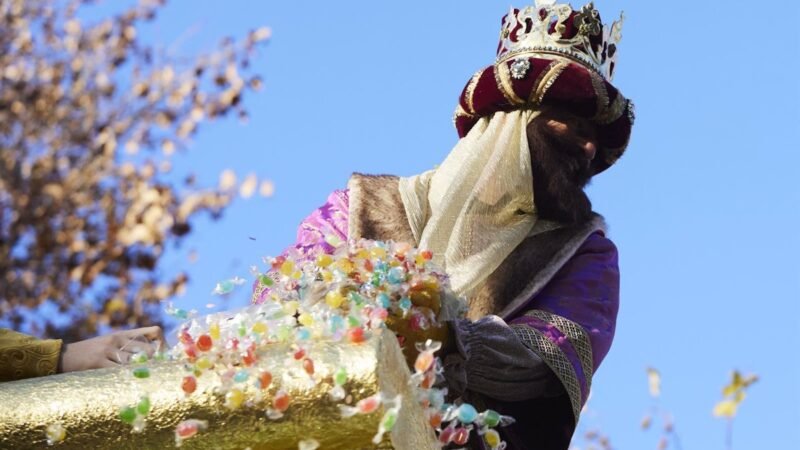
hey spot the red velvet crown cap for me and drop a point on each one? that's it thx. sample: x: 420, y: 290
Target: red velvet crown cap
x: 555, y: 81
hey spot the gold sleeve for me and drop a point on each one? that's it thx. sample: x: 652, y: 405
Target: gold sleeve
x: 23, y: 356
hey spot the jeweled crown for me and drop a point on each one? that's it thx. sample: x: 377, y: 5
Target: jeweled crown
x: 549, y: 28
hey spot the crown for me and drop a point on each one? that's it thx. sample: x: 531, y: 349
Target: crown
x: 548, y: 28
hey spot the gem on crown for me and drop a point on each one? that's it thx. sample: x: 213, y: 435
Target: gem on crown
x: 549, y: 28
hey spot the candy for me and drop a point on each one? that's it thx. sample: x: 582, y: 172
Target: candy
x: 143, y: 408
x: 141, y: 372
x: 492, y: 439
x: 461, y: 436
x: 334, y: 299
x: 188, y: 429
x: 324, y: 260
x: 396, y: 275
x: 204, y: 343
x: 355, y: 335
x: 213, y: 331
x: 127, y: 414
x: 189, y: 384
x: 241, y: 376
x: 234, y: 398
x: 281, y: 401
x: 340, y: 377
x: 203, y: 363
x: 305, y: 319
x: 264, y: 379
x: 368, y: 405
x: 308, y: 366
x: 467, y: 413
x: 55, y: 433
x: 446, y: 436
x: 308, y: 444
x: 490, y: 418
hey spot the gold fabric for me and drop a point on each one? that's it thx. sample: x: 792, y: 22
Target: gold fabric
x: 477, y: 206
x: 87, y: 404
x: 23, y: 356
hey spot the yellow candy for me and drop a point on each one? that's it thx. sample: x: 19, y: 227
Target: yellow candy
x: 297, y: 275
x: 334, y: 299
x: 213, y: 331
x: 327, y: 276
x: 259, y: 327
x: 344, y: 265
x: 305, y: 319
x: 324, y: 260
x: 362, y: 254
x: 203, y: 363
x: 234, y: 398
x: 419, y: 260
x: 378, y: 252
x: 291, y: 307
x: 287, y: 268
x: 394, y: 263
x: 492, y: 438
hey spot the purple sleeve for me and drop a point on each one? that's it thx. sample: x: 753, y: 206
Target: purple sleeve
x: 329, y: 221
x: 489, y: 355
x: 586, y: 292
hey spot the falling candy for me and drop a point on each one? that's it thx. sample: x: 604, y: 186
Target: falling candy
x: 143, y: 408
x: 141, y: 372
x: 187, y: 429
x: 55, y: 433
x: 227, y: 286
x: 128, y: 414
x: 364, y: 406
x: 388, y: 420
x: 279, y: 405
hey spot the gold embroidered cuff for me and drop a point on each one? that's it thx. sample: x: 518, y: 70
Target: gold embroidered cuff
x: 23, y: 356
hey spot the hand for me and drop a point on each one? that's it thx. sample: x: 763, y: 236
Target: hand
x: 111, y: 349
x: 426, y: 299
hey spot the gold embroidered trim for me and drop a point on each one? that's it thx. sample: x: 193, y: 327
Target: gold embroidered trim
x: 550, y: 76
x: 614, y: 111
x: 555, y: 359
x: 470, y: 91
x: 576, y: 336
x: 502, y: 76
x: 601, y: 92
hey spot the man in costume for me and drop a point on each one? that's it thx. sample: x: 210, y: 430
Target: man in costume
x: 506, y: 216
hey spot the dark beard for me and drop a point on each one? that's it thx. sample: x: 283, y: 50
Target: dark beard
x: 560, y: 172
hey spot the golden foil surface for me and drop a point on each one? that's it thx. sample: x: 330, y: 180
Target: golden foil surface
x: 87, y: 404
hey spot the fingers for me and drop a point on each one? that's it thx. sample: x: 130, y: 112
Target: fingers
x: 152, y: 333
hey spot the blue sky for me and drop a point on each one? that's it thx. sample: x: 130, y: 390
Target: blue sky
x: 703, y: 206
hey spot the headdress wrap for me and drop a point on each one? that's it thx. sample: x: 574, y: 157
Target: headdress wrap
x: 477, y: 206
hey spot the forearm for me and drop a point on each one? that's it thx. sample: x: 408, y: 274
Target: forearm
x: 486, y: 357
x: 23, y: 356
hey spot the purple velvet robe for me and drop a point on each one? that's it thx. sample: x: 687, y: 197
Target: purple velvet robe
x: 521, y: 365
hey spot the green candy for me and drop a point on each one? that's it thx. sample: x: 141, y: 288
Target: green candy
x: 128, y: 414
x: 143, y: 407
x: 340, y: 377
x: 491, y: 418
x: 141, y: 372
x: 389, y: 419
x: 266, y: 281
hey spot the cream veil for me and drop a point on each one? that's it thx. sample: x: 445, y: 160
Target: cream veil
x: 477, y: 206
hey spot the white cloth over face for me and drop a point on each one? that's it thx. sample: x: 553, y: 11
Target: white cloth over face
x: 478, y: 205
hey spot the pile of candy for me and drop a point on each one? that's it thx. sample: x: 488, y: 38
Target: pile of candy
x: 338, y: 297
